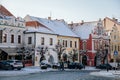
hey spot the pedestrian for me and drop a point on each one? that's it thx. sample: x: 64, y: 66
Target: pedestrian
x: 107, y: 69
x: 62, y: 65
x: 84, y: 66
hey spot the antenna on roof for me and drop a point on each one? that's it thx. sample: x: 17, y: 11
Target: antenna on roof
x: 50, y: 13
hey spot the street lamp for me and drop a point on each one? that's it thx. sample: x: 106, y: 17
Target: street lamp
x: 106, y: 54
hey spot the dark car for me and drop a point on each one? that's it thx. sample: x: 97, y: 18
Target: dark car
x: 104, y: 66
x: 75, y: 65
x: 5, y: 66
x: 43, y: 66
x: 56, y: 66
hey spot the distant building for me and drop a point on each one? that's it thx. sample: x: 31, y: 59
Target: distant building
x: 113, y: 27
x: 11, y: 34
x: 93, y: 40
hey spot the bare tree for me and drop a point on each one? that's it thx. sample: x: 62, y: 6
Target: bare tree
x: 73, y: 56
x: 59, y: 49
x: 42, y: 51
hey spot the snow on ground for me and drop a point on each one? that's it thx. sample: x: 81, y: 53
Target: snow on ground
x: 33, y: 69
x: 105, y: 73
x: 24, y: 71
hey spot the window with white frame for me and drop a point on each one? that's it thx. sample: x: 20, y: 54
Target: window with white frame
x: 51, y: 41
x: 5, y: 38
x: 70, y: 43
x: 75, y: 44
x: 12, y: 38
x: 42, y: 40
x: 84, y: 45
x: 29, y: 40
x: 19, y: 39
x: 66, y: 43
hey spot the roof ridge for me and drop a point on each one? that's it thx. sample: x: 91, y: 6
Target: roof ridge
x: 112, y: 20
x: 4, y: 11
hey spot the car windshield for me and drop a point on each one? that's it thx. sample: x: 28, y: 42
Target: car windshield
x: 10, y: 61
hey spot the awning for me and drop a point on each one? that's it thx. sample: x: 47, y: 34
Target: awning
x: 10, y: 51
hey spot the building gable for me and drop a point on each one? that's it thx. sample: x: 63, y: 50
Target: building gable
x: 4, y: 11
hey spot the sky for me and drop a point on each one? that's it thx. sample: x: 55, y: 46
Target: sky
x: 69, y: 10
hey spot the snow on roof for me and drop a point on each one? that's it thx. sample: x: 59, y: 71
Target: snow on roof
x: 84, y: 30
x: 59, y: 27
x: 39, y: 29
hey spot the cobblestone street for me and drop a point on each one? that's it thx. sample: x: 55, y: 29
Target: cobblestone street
x: 58, y: 75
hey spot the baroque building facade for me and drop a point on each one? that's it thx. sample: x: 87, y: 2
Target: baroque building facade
x: 11, y: 34
x: 93, y: 42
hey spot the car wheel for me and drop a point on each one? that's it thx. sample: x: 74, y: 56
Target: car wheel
x: 18, y: 68
x: 10, y: 68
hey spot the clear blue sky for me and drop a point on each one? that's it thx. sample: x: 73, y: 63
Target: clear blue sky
x: 69, y: 10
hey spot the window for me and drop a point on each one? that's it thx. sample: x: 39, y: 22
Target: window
x: 118, y: 48
x: 42, y: 40
x: 84, y: 45
x: 5, y: 38
x: 115, y: 47
x: 51, y: 41
x: 70, y: 43
x: 66, y: 43
x: 29, y: 40
x: 63, y: 42
x: 12, y: 38
x: 0, y: 36
x: 112, y: 47
x: 75, y: 44
x: 114, y: 36
x: 58, y: 42
x: 19, y: 39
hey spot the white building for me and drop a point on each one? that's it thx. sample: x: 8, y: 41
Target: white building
x: 41, y: 37
x: 68, y: 40
x: 11, y: 34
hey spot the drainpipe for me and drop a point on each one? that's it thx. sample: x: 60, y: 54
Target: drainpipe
x: 34, y: 48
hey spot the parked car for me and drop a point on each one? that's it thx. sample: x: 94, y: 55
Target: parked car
x: 56, y: 66
x: 75, y: 65
x: 5, y: 65
x: 16, y: 64
x: 114, y: 65
x: 104, y: 66
x: 43, y: 65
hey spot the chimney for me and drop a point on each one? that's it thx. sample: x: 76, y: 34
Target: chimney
x: 49, y: 18
x: 82, y: 22
x: 115, y: 19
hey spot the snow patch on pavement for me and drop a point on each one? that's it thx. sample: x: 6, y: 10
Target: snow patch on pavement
x: 111, y: 73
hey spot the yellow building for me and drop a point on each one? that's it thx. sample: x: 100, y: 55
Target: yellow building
x: 113, y: 28
x: 71, y: 45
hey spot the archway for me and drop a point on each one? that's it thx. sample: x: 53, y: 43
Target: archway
x: 84, y: 60
x: 51, y: 59
x: 3, y: 55
x: 95, y: 61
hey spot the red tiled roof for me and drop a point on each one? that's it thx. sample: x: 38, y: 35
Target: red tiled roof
x: 34, y: 24
x: 4, y: 11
